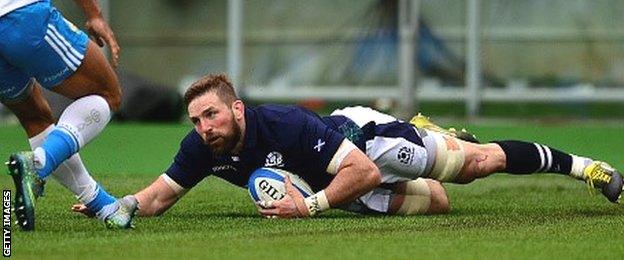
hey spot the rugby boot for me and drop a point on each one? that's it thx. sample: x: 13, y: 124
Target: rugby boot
x: 600, y: 175
x: 122, y: 217
x: 28, y: 187
x: 424, y: 122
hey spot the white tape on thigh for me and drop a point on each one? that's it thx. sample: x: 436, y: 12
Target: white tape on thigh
x: 417, y: 198
x: 449, y: 158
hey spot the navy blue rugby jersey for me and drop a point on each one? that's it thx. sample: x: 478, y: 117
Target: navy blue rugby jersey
x: 285, y: 137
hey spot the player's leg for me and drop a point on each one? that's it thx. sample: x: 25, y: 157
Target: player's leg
x: 423, y: 122
x: 408, y: 197
x: 63, y: 57
x: 463, y: 162
x: 397, y: 149
x: 27, y: 184
x: 420, y: 196
x: 95, y: 88
x: 35, y: 116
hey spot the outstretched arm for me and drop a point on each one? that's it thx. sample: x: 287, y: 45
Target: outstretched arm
x: 157, y: 198
x: 154, y: 200
x: 98, y: 28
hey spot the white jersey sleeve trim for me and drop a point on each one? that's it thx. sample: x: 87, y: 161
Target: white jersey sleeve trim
x: 345, y: 147
x: 177, y: 188
x: 6, y: 6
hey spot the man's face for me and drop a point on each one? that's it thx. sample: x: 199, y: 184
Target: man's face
x: 216, y: 122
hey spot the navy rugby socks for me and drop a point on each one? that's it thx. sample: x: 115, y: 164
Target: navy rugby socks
x: 526, y: 158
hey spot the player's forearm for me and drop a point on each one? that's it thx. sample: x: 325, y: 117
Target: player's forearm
x: 356, y: 177
x: 156, y: 198
x: 89, y: 8
x: 150, y: 206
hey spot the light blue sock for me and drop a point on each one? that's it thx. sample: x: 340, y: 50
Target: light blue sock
x: 58, y: 147
x: 101, y: 200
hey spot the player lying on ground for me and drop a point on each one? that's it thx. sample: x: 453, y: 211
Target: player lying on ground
x: 40, y: 48
x: 356, y: 159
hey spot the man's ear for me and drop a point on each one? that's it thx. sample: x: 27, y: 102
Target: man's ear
x: 238, y: 107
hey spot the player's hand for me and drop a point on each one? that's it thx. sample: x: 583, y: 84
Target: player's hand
x: 81, y: 208
x: 291, y: 206
x: 102, y: 34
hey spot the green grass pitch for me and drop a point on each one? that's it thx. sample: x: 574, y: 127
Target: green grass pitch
x: 539, y: 216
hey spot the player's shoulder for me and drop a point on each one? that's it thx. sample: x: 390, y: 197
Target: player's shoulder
x: 281, y: 114
x: 193, y: 142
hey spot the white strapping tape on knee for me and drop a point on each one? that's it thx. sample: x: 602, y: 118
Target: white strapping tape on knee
x: 417, y: 198
x: 449, y: 158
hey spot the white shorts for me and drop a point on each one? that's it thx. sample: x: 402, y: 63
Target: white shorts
x: 400, y: 150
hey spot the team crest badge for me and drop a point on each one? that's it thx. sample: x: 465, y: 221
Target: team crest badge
x: 274, y: 159
x: 406, y: 155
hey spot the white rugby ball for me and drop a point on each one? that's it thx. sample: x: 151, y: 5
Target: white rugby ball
x: 267, y: 184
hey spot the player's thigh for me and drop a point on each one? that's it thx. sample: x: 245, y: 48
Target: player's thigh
x: 43, y: 44
x: 95, y: 76
x: 398, y: 152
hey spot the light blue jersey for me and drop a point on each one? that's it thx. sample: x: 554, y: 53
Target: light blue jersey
x: 37, y: 42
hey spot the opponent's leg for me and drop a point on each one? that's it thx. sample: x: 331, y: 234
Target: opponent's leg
x: 96, y: 90
x: 36, y: 118
x: 34, y: 114
x: 74, y: 176
x: 63, y: 59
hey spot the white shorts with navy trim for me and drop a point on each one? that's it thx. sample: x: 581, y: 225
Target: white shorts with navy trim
x: 400, y: 150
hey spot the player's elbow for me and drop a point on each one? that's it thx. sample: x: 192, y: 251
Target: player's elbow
x: 372, y: 176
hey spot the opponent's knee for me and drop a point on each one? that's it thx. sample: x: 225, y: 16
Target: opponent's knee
x: 113, y: 97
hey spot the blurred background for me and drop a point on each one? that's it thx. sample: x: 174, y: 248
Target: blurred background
x: 465, y: 59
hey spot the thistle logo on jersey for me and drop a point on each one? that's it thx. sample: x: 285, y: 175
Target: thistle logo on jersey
x: 267, y: 184
x: 405, y: 155
x: 274, y: 159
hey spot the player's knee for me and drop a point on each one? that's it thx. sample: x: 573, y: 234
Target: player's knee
x: 439, y: 200
x: 420, y: 196
x: 113, y: 97
x: 34, y: 124
x: 481, y: 161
